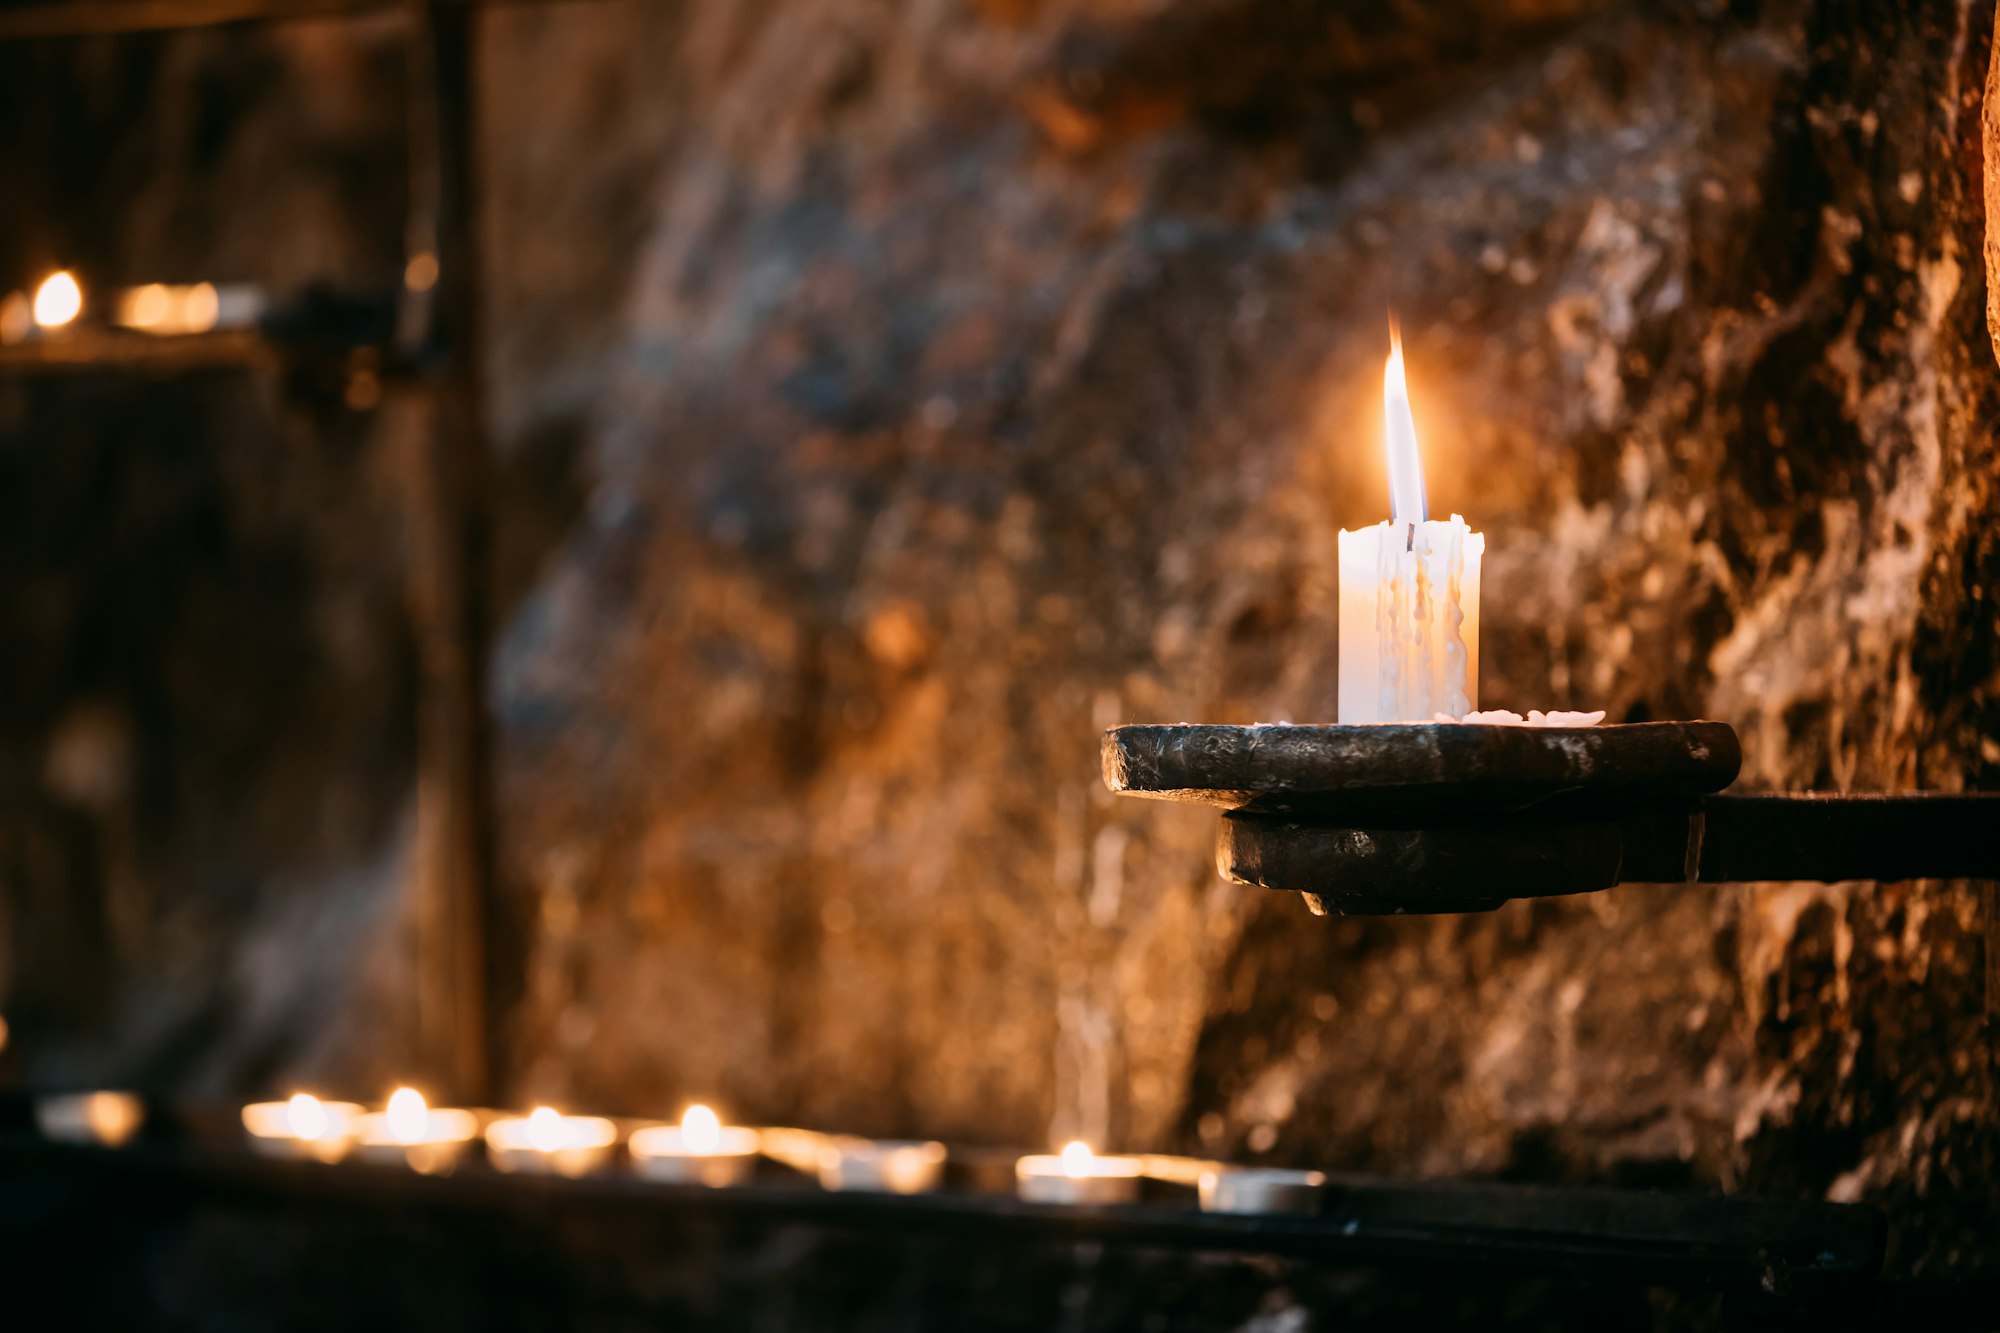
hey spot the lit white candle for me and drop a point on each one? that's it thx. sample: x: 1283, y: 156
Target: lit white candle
x: 106, y: 1118
x: 1078, y: 1175
x: 700, y: 1150
x: 410, y: 1131
x: 302, y: 1127
x: 1409, y: 592
x: 547, y: 1142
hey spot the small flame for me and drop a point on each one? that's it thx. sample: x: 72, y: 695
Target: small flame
x: 157, y: 308
x: 408, y: 1115
x: 113, y: 1117
x: 58, y: 300
x: 701, y: 1130
x: 545, y: 1128
x: 147, y: 307
x: 1406, y: 469
x: 1077, y: 1159
x: 306, y: 1117
x: 201, y: 306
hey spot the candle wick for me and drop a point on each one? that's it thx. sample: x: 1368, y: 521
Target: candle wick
x: 1410, y: 538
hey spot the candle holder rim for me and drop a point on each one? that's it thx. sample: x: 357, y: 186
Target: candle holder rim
x: 256, y: 1114
x: 651, y: 1140
x: 1102, y: 1166
x: 463, y: 1123
x: 501, y: 1133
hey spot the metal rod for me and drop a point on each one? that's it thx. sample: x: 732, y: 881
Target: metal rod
x: 1377, y: 861
x: 1831, y: 836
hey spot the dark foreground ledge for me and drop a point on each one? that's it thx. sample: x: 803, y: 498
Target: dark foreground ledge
x: 159, y: 1236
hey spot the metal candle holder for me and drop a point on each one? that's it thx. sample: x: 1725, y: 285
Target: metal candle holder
x: 1455, y: 817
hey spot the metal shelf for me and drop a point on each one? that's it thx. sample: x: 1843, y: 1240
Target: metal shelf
x: 95, y: 350
x: 1806, y: 1251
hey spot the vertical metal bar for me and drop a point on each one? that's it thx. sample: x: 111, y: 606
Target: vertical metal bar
x: 438, y: 333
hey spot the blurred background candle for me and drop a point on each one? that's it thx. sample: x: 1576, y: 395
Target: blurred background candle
x: 1078, y: 1175
x: 58, y: 300
x: 409, y: 1130
x: 700, y: 1150
x: 107, y: 1118
x: 199, y: 307
x: 1409, y: 592
x: 549, y: 1142
x: 303, y: 1127
x: 1240, y: 1189
x: 881, y: 1166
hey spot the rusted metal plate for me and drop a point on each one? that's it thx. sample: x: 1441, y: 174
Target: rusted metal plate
x: 1400, y: 768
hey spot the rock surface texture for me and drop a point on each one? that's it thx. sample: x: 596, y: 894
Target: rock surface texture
x: 985, y: 375
x: 892, y: 397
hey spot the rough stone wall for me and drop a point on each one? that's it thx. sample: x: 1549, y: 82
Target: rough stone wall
x: 987, y: 375
x: 891, y: 397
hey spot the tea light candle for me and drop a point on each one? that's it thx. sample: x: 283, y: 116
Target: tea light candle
x: 1409, y: 593
x: 700, y: 1150
x: 547, y: 1142
x: 303, y: 1127
x: 1261, y: 1190
x: 409, y: 1131
x: 1078, y: 1175
x: 109, y: 1119
x: 881, y: 1166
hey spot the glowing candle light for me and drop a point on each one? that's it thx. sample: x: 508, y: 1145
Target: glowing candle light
x: 700, y: 1150
x: 306, y: 1117
x: 1077, y: 1159
x: 701, y: 1130
x: 106, y: 1118
x: 303, y: 1126
x: 58, y: 300
x: 547, y: 1141
x: 410, y: 1132
x: 1078, y: 1175
x: 146, y: 307
x: 1409, y: 592
x: 191, y: 308
x: 408, y: 1116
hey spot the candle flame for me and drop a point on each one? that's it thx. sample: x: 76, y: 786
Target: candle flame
x: 58, y: 300
x: 1077, y: 1158
x: 306, y: 1117
x: 1406, y: 469
x: 157, y: 308
x: 545, y: 1128
x: 701, y: 1130
x: 147, y: 307
x: 408, y: 1115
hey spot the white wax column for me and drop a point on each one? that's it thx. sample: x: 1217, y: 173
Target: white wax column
x: 1409, y: 621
